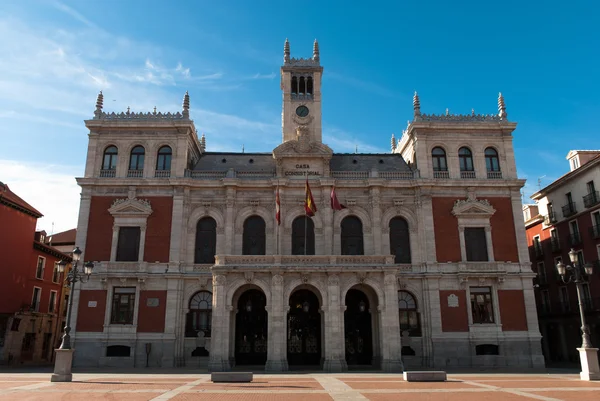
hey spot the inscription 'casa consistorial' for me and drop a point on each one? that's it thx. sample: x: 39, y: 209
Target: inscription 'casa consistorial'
x: 305, y: 171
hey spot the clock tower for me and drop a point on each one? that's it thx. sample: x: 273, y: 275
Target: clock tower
x: 301, y: 86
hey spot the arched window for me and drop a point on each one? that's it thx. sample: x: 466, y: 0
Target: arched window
x: 492, y: 163
x: 409, y: 317
x: 254, y: 241
x: 163, y: 162
x: 438, y: 156
x: 302, y: 88
x: 206, y: 240
x: 465, y: 158
x: 309, y: 85
x: 200, y: 314
x: 294, y: 85
x: 109, y: 161
x: 303, y: 236
x: 352, y: 236
x: 136, y: 160
x: 399, y: 240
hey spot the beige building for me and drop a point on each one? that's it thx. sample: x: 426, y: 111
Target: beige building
x: 426, y: 266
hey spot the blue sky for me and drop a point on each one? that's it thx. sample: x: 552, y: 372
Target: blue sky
x: 57, y: 55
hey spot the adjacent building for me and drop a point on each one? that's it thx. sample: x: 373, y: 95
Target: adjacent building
x: 302, y: 256
x: 30, y: 285
x: 565, y: 216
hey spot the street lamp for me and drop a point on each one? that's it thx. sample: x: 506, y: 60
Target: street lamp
x: 579, y: 275
x: 64, y: 353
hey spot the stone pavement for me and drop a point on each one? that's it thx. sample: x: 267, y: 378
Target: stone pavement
x: 298, y: 387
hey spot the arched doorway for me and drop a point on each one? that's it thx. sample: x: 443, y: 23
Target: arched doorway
x: 358, y: 330
x: 304, y: 329
x: 303, y: 236
x: 251, y: 329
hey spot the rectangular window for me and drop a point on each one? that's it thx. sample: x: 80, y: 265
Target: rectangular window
x: 476, y: 244
x: 35, y: 299
x: 545, y: 301
x: 563, y: 296
x: 55, y: 274
x: 123, y: 305
x: 52, y: 303
x: 541, y: 271
x: 587, y: 297
x: 128, y: 245
x: 580, y: 258
x: 591, y: 188
x: 15, y: 324
x: 569, y: 198
x: 481, y: 305
x: 39, y: 271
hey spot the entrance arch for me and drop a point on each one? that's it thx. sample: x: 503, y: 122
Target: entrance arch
x: 358, y: 328
x: 251, y: 328
x: 304, y: 329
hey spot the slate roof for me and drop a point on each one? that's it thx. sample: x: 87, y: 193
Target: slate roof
x: 368, y: 162
x: 65, y: 237
x: 11, y: 199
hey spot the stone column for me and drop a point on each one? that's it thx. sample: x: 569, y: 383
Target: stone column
x: 174, y: 329
x: 390, y: 327
x: 276, y: 349
x: 376, y: 222
x: 230, y: 221
x: 219, y: 347
x: 178, y: 225
x: 335, y: 357
x: 533, y: 328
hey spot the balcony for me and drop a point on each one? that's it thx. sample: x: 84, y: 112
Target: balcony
x: 162, y: 174
x: 494, y: 175
x: 574, y: 239
x: 595, y: 231
x: 467, y: 174
x: 135, y: 173
x: 569, y: 209
x: 550, y: 218
x: 537, y: 248
x: 555, y: 243
x: 591, y: 199
x: 441, y: 174
x: 108, y: 173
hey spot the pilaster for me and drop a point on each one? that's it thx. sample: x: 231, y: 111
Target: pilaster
x: 335, y: 352
x: 276, y: 348
x: 219, y: 348
x: 178, y: 225
x: 392, y: 343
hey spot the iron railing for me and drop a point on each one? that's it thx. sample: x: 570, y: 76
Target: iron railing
x: 569, y: 209
x: 555, y: 242
x: 550, y: 218
x: 591, y: 199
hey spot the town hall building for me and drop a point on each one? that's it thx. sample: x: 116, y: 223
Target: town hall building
x: 300, y: 257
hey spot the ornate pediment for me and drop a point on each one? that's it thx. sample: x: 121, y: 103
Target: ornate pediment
x: 304, y: 148
x: 132, y: 207
x: 473, y: 207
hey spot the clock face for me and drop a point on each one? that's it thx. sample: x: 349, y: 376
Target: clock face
x: 302, y: 111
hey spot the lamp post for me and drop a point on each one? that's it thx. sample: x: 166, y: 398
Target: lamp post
x: 64, y: 353
x: 587, y: 354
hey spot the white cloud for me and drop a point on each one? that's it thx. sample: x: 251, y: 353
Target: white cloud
x: 344, y: 142
x: 263, y: 76
x: 51, y: 189
x: 73, y: 13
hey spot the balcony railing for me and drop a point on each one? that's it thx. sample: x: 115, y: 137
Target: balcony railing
x: 467, y: 174
x: 108, y: 173
x: 574, y: 239
x: 537, y: 248
x: 135, y: 173
x: 555, y: 242
x: 494, y: 175
x: 595, y: 231
x: 550, y: 218
x: 350, y: 175
x: 591, y: 199
x: 441, y: 174
x: 569, y: 209
x: 162, y: 173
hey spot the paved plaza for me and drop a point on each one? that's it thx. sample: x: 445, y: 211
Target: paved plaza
x: 291, y: 387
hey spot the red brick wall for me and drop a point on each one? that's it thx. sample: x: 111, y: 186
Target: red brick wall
x: 91, y: 319
x: 100, y: 226
x: 512, y: 310
x: 446, y: 230
x: 152, y: 319
x: 158, y: 231
x: 454, y: 319
x: 45, y: 284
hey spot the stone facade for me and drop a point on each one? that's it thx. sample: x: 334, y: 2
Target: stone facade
x: 387, y: 282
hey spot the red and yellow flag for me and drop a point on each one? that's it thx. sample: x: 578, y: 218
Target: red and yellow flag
x: 309, y: 203
x: 277, y: 207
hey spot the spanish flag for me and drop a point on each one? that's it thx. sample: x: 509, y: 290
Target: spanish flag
x: 309, y: 203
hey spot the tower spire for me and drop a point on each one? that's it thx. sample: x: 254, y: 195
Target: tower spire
x: 393, y: 143
x: 99, y: 104
x: 203, y: 142
x: 501, y: 107
x: 417, y: 105
x: 186, y: 105
x: 286, y: 52
x: 316, y: 56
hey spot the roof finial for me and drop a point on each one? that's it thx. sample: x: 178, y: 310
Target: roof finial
x: 242, y: 148
x: 393, y: 143
x: 99, y: 104
x: 417, y: 105
x: 501, y: 107
x: 447, y: 111
x: 203, y: 142
x: 186, y: 105
x: 286, y: 52
x: 316, y: 56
